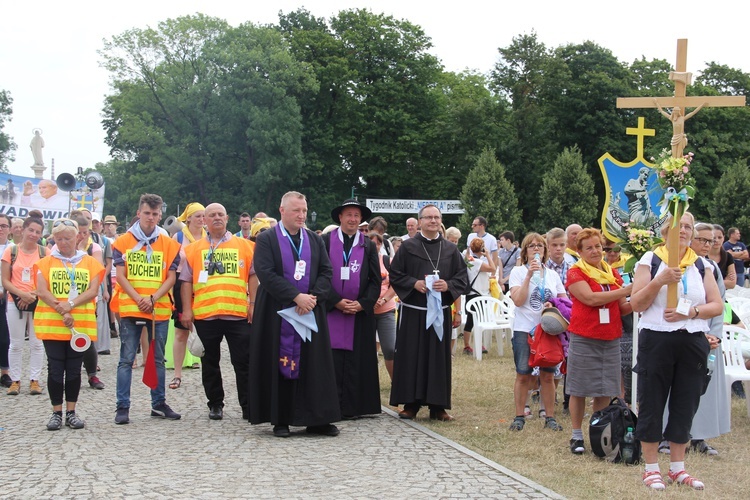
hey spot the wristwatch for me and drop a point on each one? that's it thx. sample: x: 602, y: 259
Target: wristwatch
x: 72, y: 305
x: 697, y: 312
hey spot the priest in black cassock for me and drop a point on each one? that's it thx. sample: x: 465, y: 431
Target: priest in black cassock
x: 292, y: 381
x: 428, y: 274
x: 355, y: 288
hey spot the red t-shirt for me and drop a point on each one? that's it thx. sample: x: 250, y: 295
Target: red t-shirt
x: 584, y: 320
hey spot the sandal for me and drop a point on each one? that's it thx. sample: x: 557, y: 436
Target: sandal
x: 517, y: 424
x: 654, y: 481
x: 551, y: 423
x: 683, y: 477
x: 664, y: 447
x: 527, y: 411
x: 175, y: 383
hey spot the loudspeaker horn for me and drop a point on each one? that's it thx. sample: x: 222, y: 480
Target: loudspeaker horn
x: 66, y: 182
x: 172, y: 225
x: 94, y: 180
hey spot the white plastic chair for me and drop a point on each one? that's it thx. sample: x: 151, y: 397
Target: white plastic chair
x: 741, y: 307
x: 734, y: 362
x: 490, y: 315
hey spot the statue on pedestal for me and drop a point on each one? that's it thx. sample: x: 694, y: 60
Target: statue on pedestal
x: 37, y: 143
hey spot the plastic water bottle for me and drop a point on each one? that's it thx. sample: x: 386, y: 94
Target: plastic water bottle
x: 711, y: 364
x: 537, y: 276
x: 628, y: 447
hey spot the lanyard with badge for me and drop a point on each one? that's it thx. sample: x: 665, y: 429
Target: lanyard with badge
x: 683, y: 305
x: 301, y: 266
x: 604, y: 311
x: 347, y: 256
x: 72, y: 275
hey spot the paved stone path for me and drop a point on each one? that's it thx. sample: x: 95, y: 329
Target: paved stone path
x: 378, y: 457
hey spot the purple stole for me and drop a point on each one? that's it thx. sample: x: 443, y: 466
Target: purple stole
x: 289, y: 341
x: 340, y: 325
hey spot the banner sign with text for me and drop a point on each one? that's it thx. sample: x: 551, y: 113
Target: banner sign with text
x: 412, y: 206
x: 19, y: 195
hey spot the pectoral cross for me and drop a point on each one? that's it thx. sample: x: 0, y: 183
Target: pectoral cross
x: 677, y: 116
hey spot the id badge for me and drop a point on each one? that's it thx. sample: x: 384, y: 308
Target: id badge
x: 345, y: 273
x: 73, y: 293
x: 300, y: 268
x: 203, y: 276
x: 603, y: 316
x: 683, y: 307
x: 26, y: 275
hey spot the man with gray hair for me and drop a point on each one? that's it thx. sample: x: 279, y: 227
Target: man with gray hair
x: 412, y: 226
x: 571, y: 254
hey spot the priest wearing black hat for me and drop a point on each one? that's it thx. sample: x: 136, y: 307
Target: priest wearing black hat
x: 351, y: 319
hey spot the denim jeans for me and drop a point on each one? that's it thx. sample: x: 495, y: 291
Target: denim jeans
x: 130, y: 337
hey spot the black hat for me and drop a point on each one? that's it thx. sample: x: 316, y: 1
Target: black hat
x: 351, y: 202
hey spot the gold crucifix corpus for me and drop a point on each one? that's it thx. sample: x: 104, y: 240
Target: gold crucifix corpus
x: 679, y: 103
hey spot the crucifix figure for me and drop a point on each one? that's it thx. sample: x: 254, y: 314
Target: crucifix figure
x: 679, y: 103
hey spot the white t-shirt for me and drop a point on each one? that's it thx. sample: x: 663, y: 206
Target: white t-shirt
x: 653, y: 317
x: 529, y: 314
x: 489, y: 241
x: 482, y: 282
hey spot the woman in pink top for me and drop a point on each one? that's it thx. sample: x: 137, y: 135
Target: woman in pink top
x: 22, y: 283
x: 385, y: 308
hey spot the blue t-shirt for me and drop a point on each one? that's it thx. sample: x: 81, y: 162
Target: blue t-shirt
x: 739, y: 265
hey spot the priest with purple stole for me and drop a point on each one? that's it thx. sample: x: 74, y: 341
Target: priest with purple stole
x: 428, y: 274
x: 355, y: 289
x: 292, y: 380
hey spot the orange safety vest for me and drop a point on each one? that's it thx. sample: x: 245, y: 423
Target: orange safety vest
x: 221, y: 294
x: 48, y: 324
x: 146, y: 277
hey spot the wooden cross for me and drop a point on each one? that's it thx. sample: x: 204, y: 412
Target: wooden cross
x: 679, y: 103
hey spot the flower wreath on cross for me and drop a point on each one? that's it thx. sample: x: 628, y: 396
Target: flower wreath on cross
x: 674, y: 176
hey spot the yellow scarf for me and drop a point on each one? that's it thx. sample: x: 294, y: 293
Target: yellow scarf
x: 572, y: 252
x: 189, y: 235
x: 603, y: 276
x: 687, y: 260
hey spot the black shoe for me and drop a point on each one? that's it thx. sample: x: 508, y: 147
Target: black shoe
x: 104, y: 352
x: 738, y: 390
x: 164, y: 411
x: 323, y: 430
x: 5, y: 380
x: 245, y: 414
x: 576, y: 446
x: 122, y: 416
x: 216, y: 413
x: 281, y: 431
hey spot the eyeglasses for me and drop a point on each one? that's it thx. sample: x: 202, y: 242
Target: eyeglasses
x: 704, y: 241
x: 535, y: 245
x: 430, y: 217
x: 64, y: 222
x: 4, y: 226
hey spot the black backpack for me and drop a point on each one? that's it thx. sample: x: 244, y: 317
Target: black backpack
x: 607, y: 432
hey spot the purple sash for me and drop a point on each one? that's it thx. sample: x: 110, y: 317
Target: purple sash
x: 289, y: 341
x: 340, y: 325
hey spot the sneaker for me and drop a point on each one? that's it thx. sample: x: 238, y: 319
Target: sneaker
x: 654, y: 481
x: 542, y: 413
x: 35, y: 388
x: 95, y: 383
x: 164, y: 411
x: 700, y: 446
x: 517, y: 424
x: 5, y: 380
x: 551, y: 423
x: 73, y: 421
x: 664, y: 448
x: 15, y: 388
x: 683, y: 477
x: 527, y: 411
x: 576, y: 446
x: 122, y: 416
x: 468, y: 351
x: 55, y: 422
x: 484, y: 350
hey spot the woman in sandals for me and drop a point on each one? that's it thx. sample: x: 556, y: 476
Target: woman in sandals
x: 531, y: 287
x: 67, y: 284
x: 599, y: 300
x: 193, y: 219
x: 672, y: 351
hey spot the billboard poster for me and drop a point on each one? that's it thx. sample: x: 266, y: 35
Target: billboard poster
x: 19, y: 195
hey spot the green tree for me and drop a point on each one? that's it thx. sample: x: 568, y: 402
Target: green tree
x: 7, y: 146
x: 567, y: 195
x: 730, y: 205
x: 488, y: 193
